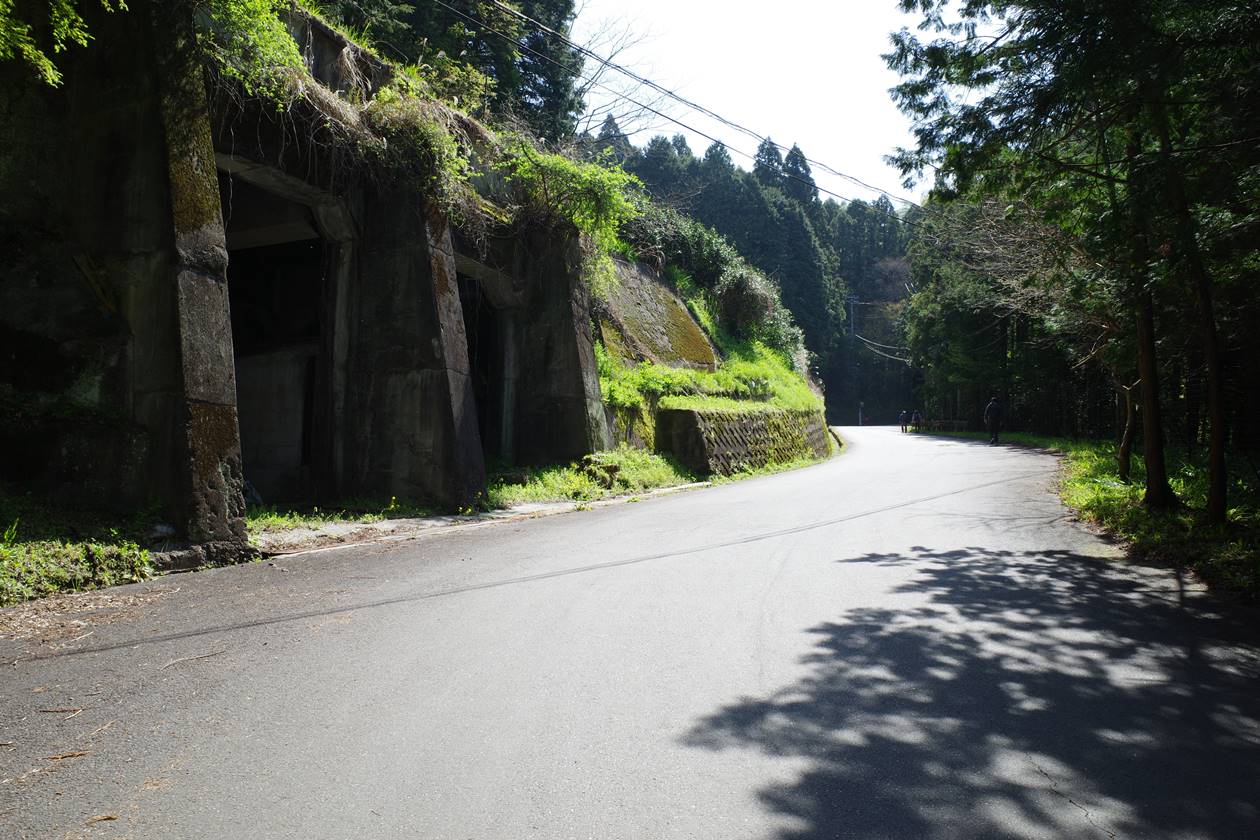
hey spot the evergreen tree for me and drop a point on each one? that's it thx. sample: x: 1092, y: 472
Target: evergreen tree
x: 717, y: 161
x: 798, y: 181
x: 611, y: 138
x: 534, y: 73
x: 382, y: 21
x: 548, y: 68
x: 1116, y: 121
x: 663, y: 171
x: 768, y: 164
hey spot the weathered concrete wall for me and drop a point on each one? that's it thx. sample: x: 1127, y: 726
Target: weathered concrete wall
x: 643, y: 319
x: 411, y: 420
x: 725, y: 442
x: 111, y: 210
x: 116, y: 336
x: 559, y: 412
x: 393, y: 404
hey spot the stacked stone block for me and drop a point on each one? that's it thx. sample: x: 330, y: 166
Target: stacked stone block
x: 724, y: 442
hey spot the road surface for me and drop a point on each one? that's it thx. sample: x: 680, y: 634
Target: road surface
x: 913, y: 640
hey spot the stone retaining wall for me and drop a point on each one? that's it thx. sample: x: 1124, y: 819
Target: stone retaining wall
x: 725, y: 442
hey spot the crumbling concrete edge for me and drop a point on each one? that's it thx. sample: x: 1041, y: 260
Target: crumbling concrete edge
x: 479, y: 521
x: 192, y: 557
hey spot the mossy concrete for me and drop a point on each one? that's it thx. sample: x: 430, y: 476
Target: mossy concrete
x: 117, y: 274
x: 111, y: 179
x: 728, y: 442
x: 643, y: 320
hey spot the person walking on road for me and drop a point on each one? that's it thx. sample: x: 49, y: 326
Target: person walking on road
x: 902, y: 420
x: 993, y: 419
x: 916, y: 420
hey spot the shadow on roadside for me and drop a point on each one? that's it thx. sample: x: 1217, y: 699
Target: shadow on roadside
x: 1035, y: 694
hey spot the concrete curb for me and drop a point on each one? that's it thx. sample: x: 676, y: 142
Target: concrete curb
x: 193, y: 557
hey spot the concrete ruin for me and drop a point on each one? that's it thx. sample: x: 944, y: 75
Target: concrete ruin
x: 197, y: 294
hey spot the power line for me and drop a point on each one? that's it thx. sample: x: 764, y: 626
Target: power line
x: 877, y: 344
x: 486, y: 27
x: 690, y: 103
x: 887, y: 355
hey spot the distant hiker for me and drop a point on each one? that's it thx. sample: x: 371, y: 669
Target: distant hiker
x: 993, y: 419
x: 916, y: 420
x: 901, y: 418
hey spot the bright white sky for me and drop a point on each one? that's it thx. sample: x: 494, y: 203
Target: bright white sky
x: 802, y: 71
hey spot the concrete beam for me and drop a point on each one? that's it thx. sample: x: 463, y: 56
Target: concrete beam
x: 332, y: 215
x: 501, y: 288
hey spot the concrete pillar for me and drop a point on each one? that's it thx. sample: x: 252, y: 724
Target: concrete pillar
x: 211, y: 505
x: 411, y: 413
x: 507, y: 422
x: 467, y: 464
x: 559, y: 412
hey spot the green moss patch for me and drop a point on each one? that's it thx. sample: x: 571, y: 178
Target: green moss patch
x: 650, y: 323
x: 752, y: 378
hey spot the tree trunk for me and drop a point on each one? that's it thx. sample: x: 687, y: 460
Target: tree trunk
x: 1124, y: 452
x: 1194, y: 401
x: 1190, y: 260
x: 1159, y: 495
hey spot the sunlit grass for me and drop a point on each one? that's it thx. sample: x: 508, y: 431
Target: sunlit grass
x: 1226, y: 556
x: 45, y: 549
x: 273, y: 518
x: 614, y: 472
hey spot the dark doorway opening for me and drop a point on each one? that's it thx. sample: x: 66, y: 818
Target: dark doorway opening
x: 276, y: 263
x: 486, y: 357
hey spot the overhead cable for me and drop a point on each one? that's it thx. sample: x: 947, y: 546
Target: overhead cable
x: 643, y: 80
x: 788, y: 176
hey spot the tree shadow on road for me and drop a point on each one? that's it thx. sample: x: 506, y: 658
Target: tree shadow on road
x: 1035, y: 694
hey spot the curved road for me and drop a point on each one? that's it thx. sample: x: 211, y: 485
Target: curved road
x: 913, y: 640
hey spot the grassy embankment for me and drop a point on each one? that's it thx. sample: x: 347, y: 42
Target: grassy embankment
x: 751, y: 376
x: 1227, y: 557
x: 597, y: 476
x: 44, y: 551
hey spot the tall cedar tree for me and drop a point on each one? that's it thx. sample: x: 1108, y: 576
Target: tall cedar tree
x: 768, y: 164
x: 1055, y: 81
x: 534, y: 72
x: 798, y: 180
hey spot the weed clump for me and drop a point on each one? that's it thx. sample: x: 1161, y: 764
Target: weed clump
x: 597, y: 476
x: 44, y: 551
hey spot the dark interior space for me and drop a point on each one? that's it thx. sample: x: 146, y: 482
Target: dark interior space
x: 275, y: 287
x: 485, y: 360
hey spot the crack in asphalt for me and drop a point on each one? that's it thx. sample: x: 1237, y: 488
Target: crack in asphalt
x: 495, y: 584
x: 1054, y: 788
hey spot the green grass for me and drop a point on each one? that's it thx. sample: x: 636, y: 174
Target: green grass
x: 603, y: 474
x: 751, y: 378
x: 1227, y: 557
x: 702, y: 402
x: 45, y: 550
x: 271, y: 518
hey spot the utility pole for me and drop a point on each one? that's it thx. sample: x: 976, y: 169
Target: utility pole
x: 850, y: 304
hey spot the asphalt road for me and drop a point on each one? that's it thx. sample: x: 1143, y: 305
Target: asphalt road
x: 914, y: 640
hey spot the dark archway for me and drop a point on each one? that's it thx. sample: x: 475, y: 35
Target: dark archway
x: 490, y: 362
x: 276, y: 287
